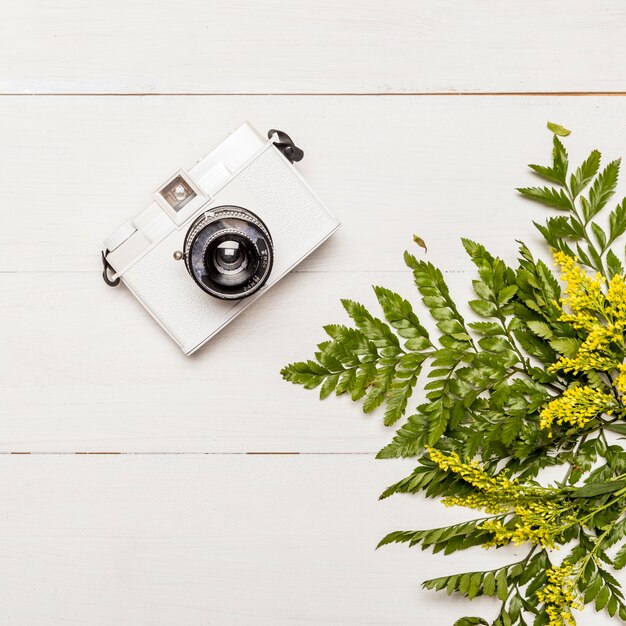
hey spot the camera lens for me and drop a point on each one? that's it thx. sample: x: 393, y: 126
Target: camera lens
x: 230, y: 260
x: 228, y: 252
x: 229, y: 257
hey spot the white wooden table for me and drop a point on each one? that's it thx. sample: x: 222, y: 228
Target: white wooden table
x: 142, y: 487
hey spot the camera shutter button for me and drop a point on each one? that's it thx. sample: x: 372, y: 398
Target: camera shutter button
x: 119, y: 236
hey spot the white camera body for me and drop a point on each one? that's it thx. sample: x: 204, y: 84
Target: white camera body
x: 147, y: 252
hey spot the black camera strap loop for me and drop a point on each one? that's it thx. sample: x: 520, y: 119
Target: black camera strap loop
x: 286, y: 145
x: 107, y: 268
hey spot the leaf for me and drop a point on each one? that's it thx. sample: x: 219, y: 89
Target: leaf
x: 620, y: 558
x: 599, y: 235
x: 546, y: 172
x: 399, y: 313
x: 487, y: 328
x: 557, y: 129
x: 541, y: 329
x: 620, y: 429
x: 502, y: 585
x: 613, y: 264
x: 328, y: 386
x: 567, y: 346
x: 617, y: 221
x: 536, y: 347
x: 505, y: 294
x: 486, y: 309
x: 371, y: 327
x: 584, y: 459
x: 420, y: 242
x: 307, y: 373
x: 409, y: 440
x: 468, y: 532
x: 439, y: 418
x: 436, y: 298
x: 489, y: 584
x: 558, y: 172
x: 470, y: 621
x: 406, y: 372
x: 549, y: 196
x: 585, y: 173
x: 590, y: 490
x: 511, y: 429
x: 602, y: 189
x: 560, y: 160
x: 558, y: 228
x: 602, y: 598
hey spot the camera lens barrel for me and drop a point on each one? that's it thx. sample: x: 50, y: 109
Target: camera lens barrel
x: 228, y: 252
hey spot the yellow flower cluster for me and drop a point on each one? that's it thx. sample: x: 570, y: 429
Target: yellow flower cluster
x: 616, y: 298
x: 602, y: 317
x: 493, y: 495
x: 620, y: 380
x: 576, y: 406
x: 584, y: 294
x: 480, y: 502
x: 474, y: 474
x: 560, y: 595
x: 540, y: 522
x: 538, y: 518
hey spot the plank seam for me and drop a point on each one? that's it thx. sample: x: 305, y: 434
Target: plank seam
x: 165, y: 453
x: 308, y: 94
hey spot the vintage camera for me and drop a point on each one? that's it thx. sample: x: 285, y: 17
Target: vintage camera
x: 218, y: 235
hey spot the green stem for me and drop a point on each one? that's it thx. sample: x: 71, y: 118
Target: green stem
x: 576, y: 450
x: 515, y: 588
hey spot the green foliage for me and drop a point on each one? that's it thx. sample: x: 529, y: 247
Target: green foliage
x: 484, y: 385
x: 449, y: 538
x: 557, y: 129
x: 369, y: 361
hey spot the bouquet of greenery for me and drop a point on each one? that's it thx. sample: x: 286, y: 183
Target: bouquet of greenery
x: 538, y: 381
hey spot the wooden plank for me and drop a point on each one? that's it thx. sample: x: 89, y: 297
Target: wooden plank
x: 325, y: 46
x: 86, y: 369
x: 72, y: 169
x: 162, y: 540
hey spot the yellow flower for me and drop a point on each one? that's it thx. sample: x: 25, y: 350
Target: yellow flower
x: 560, y: 595
x: 538, y: 518
x: 577, y: 406
x: 584, y: 293
x: 480, y: 502
x: 616, y: 297
x: 602, y: 317
x: 540, y: 522
x: 492, y: 495
x: 620, y: 381
x: 473, y: 473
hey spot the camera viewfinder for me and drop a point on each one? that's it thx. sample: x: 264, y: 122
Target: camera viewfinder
x: 177, y: 193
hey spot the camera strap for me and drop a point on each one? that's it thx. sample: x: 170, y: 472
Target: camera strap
x: 107, y: 268
x: 286, y: 145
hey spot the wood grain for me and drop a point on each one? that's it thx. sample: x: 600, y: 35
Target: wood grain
x: 327, y: 46
x: 145, y: 488
x: 220, y: 540
x: 72, y: 169
x: 89, y: 370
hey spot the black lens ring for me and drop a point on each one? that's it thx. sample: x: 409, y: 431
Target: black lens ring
x: 212, y: 224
